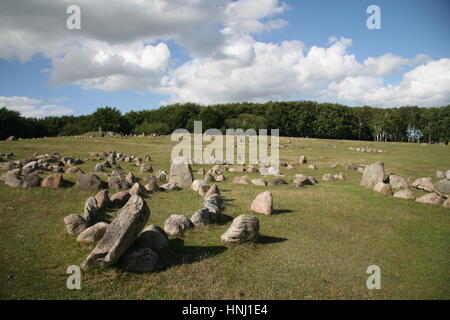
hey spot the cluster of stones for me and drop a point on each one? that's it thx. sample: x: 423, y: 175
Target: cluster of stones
x: 25, y: 172
x: 396, y: 186
x: 244, y: 228
x: 123, y: 241
x: 366, y: 149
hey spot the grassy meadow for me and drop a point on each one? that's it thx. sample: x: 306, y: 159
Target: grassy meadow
x: 317, y: 245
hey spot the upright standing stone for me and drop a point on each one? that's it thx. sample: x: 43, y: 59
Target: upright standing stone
x: 120, y: 234
x: 181, y: 173
x: 373, y: 174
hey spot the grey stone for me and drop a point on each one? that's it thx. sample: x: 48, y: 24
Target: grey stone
x: 120, y: 234
x: 75, y: 224
x: 443, y: 186
x: 177, y: 225
x: 93, y: 233
x: 138, y: 260
x: 244, y: 228
x: 404, y: 194
x: 373, y: 174
x: 181, y: 173
x: 88, y: 181
x: 31, y: 181
x: 152, y: 237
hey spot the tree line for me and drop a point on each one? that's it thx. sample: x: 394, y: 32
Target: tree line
x: 292, y: 118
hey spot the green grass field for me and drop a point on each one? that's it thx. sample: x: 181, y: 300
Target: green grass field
x: 318, y: 245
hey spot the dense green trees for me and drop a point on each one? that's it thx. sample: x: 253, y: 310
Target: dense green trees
x: 292, y: 118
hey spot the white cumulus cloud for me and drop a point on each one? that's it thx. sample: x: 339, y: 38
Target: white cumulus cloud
x: 35, y: 108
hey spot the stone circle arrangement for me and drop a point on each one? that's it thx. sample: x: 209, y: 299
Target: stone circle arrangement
x: 126, y: 243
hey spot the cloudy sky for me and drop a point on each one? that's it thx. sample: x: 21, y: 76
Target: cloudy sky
x: 140, y: 54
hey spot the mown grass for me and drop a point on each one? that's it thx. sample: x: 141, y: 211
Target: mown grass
x: 318, y: 245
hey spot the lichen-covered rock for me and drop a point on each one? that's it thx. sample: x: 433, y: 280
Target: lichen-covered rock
x: 383, y: 188
x: 181, y: 173
x: 406, y: 194
x: 431, y: 198
x: 75, y: 224
x: 93, y: 233
x: 202, y: 217
x: 102, y: 199
x: 373, y: 174
x: 244, y: 228
x: 31, y: 181
x: 177, y: 225
x: 424, y: 184
x: 119, y: 199
x: 88, y: 181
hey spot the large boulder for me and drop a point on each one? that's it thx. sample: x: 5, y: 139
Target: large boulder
x: 196, y: 184
x: 93, y: 233
x: 90, y: 213
x: 431, y: 198
x: 10, y: 172
x: 88, y: 181
x: 152, y: 237
x: 263, y: 203
x: 102, y: 199
x: 120, y: 234
x: 152, y: 186
x: 13, y: 180
x: 119, y: 199
x: 373, y: 174
x: 176, y: 225
x: 397, y: 182
x: 75, y: 224
x: 181, y: 172
x: 53, y: 181
x: 202, y: 217
x: 406, y: 194
x: 31, y: 181
x: 424, y: 184
x: 244, y: 228
x: 138, y: 260
x: 443, y: 186
x: 383, y: 188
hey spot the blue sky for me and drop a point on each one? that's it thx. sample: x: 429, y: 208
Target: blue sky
x: 246, y: 51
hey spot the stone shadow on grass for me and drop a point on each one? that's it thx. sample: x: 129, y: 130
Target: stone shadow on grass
x: 268, y: 239
x: 178, y: 254
x: 281, y: 211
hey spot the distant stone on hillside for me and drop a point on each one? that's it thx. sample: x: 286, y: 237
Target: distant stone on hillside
x: 373, y: 174
x: 383, y: 188
x: 181, y: 172
x: 328, y: 177
x: 31, y: 181
x: 405, y: 194
x: 440, y: 174
x: 443, y: 186
x: 120, y: 234
x: 397, y: 182
x: 13, y: 180
x: 302, y: 160
x: 88, y: 181
x: 431, y: 198
x: 244, y: 228
x: 424, y: 184
x: 53, y: 181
